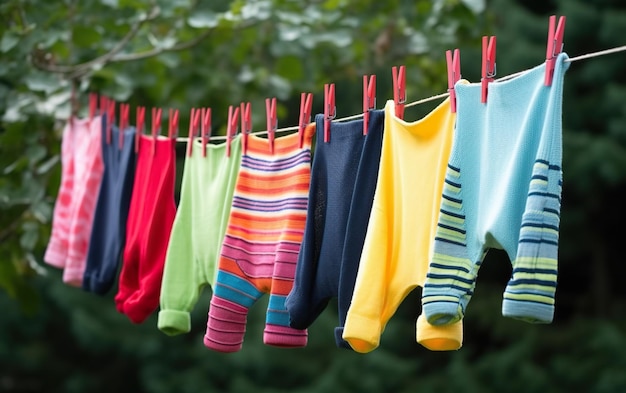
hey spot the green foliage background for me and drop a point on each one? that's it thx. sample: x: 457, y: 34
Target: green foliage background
x: 186, y: 53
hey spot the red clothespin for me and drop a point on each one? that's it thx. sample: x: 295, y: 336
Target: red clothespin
x: 93, y: 105
x: 172, y: 129
x: 488, y: 65
x: 306, y: 106
x: 110, y: 118
x: 555, y: 46
x: 369, y: 100
x: 156, y: 126
x: 194, y: 118
x: 399, y: 89
x: 330, y: 109
x: 272, y: 121
x: 104, y: 105
x: 246, y: 125
x: 124, y: 114
x: 141, y: 118
x: 206, y: 128
x: 231, y: 129
x: 454, y: 74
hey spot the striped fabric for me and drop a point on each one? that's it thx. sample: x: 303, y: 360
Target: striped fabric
x: 533, y: 283
x: 76, y: 204
x: 502, y: 190
x: 450, y: 268
x: 262, y: 242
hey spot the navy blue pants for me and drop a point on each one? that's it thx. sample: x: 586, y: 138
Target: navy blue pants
x: 343, y: 181
x: 108, y: 233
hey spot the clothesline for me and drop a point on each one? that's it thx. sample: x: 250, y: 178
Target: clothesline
x: 435, y: 97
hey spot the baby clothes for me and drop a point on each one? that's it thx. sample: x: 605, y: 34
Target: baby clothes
x: 150, y: 218
x: 109, y: 225
x: 81, y: 174
x: 343, y: 181
x: 195, y: 243
x: 262, y: 242
x: 503, y: 190
x: 401, y: 227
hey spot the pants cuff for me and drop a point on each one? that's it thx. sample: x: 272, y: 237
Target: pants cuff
x: 527, y: 311
x: 283, y: 336
x: 439, y: 338
x: 341, y: 343
x: 443, y: 312
x: 226, y: 326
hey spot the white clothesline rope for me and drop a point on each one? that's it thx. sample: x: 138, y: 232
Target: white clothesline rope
x: 428, y: 99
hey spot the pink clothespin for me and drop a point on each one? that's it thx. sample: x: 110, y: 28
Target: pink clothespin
x: 555, y: 46
x: 369, y: 99
x: 206, y: 128
x: 454, y: 74
x: 104, y: 104
x: 172, y: 129
x: 399, y: 89
x: 231, y: 129
x: 156, y: 126
x: 110, y: 117
x: 93, y: 105
x: 488, y: 65
x: 246, y: 125
x: 124, y: 114
x: 330, y: 109
x: 306, y: 106
x: 141, y: 118
x: 194, y: 119
x: 272, y: 121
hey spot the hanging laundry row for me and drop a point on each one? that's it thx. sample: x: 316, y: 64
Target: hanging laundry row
x: 382, y: 207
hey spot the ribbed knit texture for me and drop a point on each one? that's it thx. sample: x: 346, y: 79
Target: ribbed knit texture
x: 343, y: 181
x: 150, y: 218
x: 503, y: 190
x: 402, y: 225
x: 81, y: 174
x: 262, y: 242
x: 108, y: 234
x: 195, y: 243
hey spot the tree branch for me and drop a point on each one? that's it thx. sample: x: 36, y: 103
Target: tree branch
x: 113, y: 56
x: 178, y: 47
x: 77, y: 70
x: 157, y: 51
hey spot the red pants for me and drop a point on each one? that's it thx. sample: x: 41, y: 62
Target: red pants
x: 150, y: 219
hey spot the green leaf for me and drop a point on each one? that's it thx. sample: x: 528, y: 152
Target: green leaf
x: 42, y: 211
x: 35, y: 153
x: 260, y: 10
x: 44, y: 82
x: 204, y: 19
x: 476, y: 6
x: 86, y: 36
x: 9, y: 40
x: 47, y: 165
x: 29, y: 237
